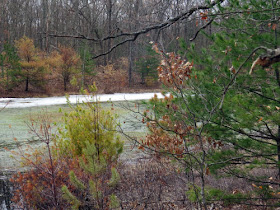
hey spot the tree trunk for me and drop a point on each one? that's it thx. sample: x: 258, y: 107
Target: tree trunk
x: 2, y: 67
x: 278, y: 151
x: 102, y: 50
x: 83, y: 69
x: 109, y: 15
x: 130, y: 65
x: 26, y: 84
x: 7, y: 82
x: 65, y: 84
x: 142, y: 78
x: 278, y: 139
x: 47, y: 27
x: 43, y: 25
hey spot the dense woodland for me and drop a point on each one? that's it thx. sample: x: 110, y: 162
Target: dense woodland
x: 92, y: 29
x: 213, y: 141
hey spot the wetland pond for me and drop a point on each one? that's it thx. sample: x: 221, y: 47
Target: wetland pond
x: 16, y: 113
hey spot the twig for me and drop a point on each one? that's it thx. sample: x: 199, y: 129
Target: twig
x: 5, y: 105
x: 115, y: 46
x: 235, y: 75
x: 200, y: 29
x: 135, y: 34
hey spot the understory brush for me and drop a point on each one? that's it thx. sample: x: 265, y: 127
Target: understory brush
x: 77, y: 168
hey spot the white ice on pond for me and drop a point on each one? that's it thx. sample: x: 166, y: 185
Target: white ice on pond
x: 31, y: 102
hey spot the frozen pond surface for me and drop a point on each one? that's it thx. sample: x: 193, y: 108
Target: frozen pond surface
x: 33, y: 102
x: 19, y: 111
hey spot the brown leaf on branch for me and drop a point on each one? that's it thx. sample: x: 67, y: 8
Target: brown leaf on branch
x: 207, y: 171
x: 274, y: 27
x: 204, y: 15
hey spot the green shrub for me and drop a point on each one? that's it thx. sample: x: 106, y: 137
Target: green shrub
x: 90, y: 136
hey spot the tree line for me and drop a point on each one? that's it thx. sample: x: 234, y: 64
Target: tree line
x: 99, y: 25
x: 24, y: 63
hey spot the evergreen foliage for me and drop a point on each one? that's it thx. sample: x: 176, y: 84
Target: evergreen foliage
x: 88, y: 64
x: 88, y: 122
x: 213, y: 194
x: 147, y: 66
x: 10, y: 67
x: 96, y: 192
x: 90, y: 135
x: 247, y: 120
x: 67, y: 195
x: 218, y: 118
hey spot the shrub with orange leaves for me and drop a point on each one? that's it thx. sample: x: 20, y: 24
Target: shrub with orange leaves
x: 169, y: 132
x: 68, y: 64
x: 114, y: 76
x: 45, y: 170
x: 34, y: 188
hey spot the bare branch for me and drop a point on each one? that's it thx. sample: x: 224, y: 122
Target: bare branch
x: 135, y: 34
x: 115, y: 46
x: 200, y: 29
x: 266, y: 60
x: 73, y: 37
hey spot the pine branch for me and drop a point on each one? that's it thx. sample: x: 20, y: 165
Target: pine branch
x: 70, y: 198
x: 235, y: 75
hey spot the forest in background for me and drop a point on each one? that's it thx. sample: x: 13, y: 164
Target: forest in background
x: 93, y: 29
x: 214, y: 139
